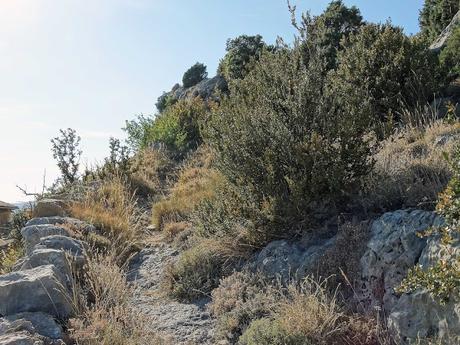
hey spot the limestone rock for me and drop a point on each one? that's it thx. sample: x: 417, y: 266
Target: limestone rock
x: 285, y: 260
x: 73, y: 247
x: 420, y: 315
x: 441, y: 41
x: 49, y: 208
x: 34, y: 233
x: 22, y: 338
x: 33, y: 290
x: 38, y: 322
x: 55, y: 257
x: 393, y: 249
x: 83, y: 227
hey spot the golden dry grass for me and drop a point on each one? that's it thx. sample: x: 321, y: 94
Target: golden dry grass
x: 410, y: 170
x: 111, y: 207
x: 105, y: 315
x: 10, y: 256
x: 194, y: 185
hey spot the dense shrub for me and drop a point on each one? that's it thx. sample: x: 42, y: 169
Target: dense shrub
x: 383, y: 68
x: 322, y: 34
x: 436, y: 15
x: 285, y: 147
x: 164, y: 101
x: 241, y: 51
x: 450, y: 56
x: 138, y: 132
x: 194, y: 75
x: 177, y: 127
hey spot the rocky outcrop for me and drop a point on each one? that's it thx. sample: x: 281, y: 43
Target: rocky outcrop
x: 442, y: 39
x: 207, y: 89
x: 281, y: 259
x: 33, y: 290
x: 38, y: 291
x: 393, y: 249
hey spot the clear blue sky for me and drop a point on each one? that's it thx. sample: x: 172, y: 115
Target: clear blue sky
x: 91, y: 64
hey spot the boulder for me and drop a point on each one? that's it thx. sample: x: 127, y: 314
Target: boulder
x: 83, y: 227
x: 55, y: 257
x: 34, y: 233
x: 71, y: 246
x: 34, y: 290
x: 206, y: 89
x: 393, y: 249
x: 281, y: 259
x: 38, y: 322
x: 50, y: 208
x: 442, y: 39
x: 419, y: 313
x: 20, y: 338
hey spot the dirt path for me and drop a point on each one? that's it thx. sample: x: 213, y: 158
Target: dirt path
x: 182, y: 323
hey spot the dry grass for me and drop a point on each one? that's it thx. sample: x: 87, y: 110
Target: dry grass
x: 251, y: 311
x: 172, y: 230
x: 199, y: 269
x: 105, y: 314
x: 150, y: 172
x: 194, y: 185
x: 110, y: 207
x: 410, y: 170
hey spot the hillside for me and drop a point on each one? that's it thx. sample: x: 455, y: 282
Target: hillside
x: 307, y: 194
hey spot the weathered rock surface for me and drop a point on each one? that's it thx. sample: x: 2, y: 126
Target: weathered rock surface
x: 281, y: 259
x: 38, y: 322
x: 35, y: 290
x: 206, y: 89
x: 419, y: 313
x: 183, y: 323
x: 33, y: 234
x: 71, y: 246
x: 393, y: 249
x: 84, y: 227
x: 50, y: 208
x: 20, y: 338
x: 55, y: 257
x: 441, y: 41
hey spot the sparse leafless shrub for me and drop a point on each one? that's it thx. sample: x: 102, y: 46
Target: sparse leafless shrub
x: 66, y: 151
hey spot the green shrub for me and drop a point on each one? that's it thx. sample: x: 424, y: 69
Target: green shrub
x: 164, y: 101
x: 194, y: 75
x: 285, y: 147
x: 322, y: 34
x: 383, y: 68
x: 178, y: 126
x: 138, y: 132
x: 241, y: 51
x: 450, y: 56
x: 436, y: 15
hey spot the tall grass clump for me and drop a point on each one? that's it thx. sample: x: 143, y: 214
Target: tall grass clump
x: 105, y: 314
x: 410, y: 169
x: 111, y: 207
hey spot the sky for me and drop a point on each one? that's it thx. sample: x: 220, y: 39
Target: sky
x: 92, y: 64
